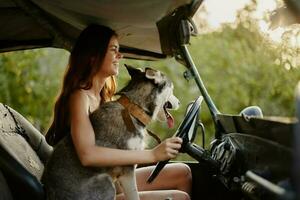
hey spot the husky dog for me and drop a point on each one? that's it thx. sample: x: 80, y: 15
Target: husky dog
x: 117, y: 124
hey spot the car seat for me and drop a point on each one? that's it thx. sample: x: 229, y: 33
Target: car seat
x: 296, y: 165
x: 23, y: 153
x: 5, y: 193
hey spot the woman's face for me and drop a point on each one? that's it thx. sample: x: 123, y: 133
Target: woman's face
x: 110, y: 64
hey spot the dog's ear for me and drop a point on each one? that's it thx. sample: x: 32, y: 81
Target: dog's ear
x: 153, y: 75
x: 133, y: 72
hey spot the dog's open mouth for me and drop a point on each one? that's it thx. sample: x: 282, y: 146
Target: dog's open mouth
x: 169, y: 117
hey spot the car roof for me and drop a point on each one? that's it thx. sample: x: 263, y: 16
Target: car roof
x: 145, y: 28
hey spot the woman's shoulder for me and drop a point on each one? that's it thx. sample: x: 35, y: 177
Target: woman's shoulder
x: 79, y: 94
x: 79, y: 98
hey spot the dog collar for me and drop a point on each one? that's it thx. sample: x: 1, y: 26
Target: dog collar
x: 135, y: 110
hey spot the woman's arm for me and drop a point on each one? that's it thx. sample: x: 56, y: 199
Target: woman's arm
x: 89, y: 154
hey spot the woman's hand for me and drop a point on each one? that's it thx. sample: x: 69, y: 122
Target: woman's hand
x: 168, y: 149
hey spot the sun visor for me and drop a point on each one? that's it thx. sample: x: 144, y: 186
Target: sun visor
x: 57, y: 23
x: 134, y: 20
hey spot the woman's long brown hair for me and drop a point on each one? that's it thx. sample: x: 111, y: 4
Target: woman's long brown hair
x: 92, y: 43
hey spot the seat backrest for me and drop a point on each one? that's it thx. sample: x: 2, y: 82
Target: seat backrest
x: 5, y: 193
x: 23, y: 152
x: 296, y: 167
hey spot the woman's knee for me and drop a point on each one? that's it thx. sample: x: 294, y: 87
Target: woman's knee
x: 180, y: 195
x: 183, y: 178
x: 184, y: 172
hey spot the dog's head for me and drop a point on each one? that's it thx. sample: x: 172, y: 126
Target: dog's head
x: 152, y: 91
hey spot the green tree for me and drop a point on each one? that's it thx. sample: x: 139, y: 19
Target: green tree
x: 30, y: 81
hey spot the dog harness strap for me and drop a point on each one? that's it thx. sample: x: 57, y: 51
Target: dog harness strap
x: 135, y: 110
x: 127, y: 120
x: 158, y: 140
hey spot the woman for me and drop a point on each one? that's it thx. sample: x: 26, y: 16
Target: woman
x: 88, y: 83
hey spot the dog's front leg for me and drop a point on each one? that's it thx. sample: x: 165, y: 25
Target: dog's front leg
x: 128, y: 183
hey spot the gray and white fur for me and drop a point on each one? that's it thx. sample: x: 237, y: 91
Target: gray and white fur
x: 66, y: 179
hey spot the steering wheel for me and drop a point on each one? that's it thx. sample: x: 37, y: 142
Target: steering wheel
x: 186, y: 131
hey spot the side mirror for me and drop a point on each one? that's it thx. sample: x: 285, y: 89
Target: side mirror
x: 252, y: 111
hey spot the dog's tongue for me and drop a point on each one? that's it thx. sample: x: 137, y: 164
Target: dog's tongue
x: 170, y: 119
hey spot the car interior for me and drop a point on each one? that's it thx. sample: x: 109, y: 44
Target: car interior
x: 148, y: 30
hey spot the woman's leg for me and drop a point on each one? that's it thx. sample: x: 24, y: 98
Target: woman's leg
x: 174, y: 181
x: 175, y: 176
x: 159, y: 195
